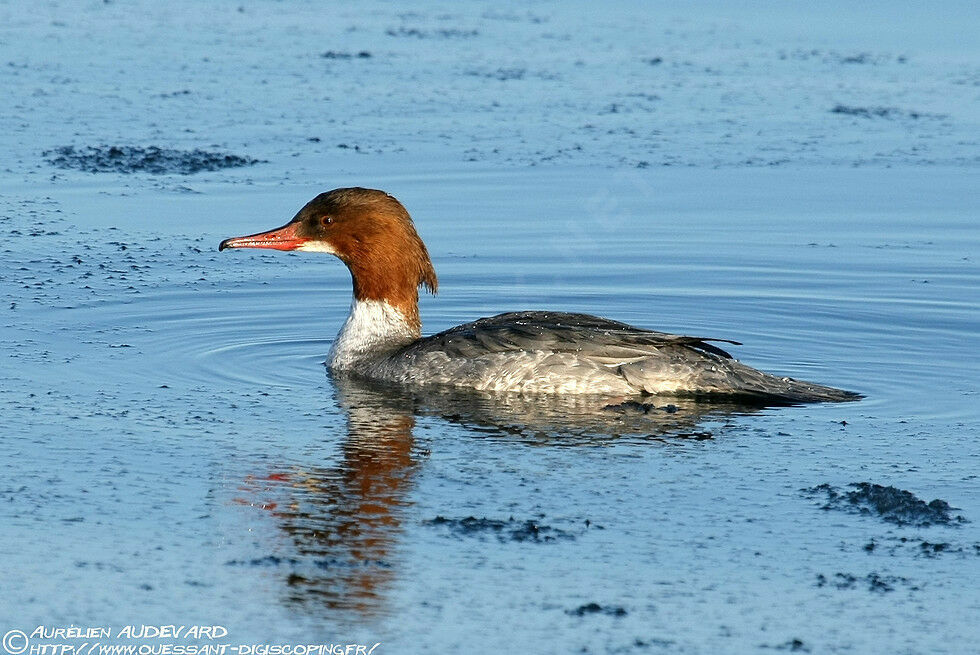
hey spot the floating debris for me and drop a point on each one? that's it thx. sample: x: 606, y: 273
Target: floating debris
x: 509, y: 530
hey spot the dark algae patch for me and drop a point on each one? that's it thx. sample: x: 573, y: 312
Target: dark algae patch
x: 319, y: 563
x: 875, y: 582
x: 888, y: 503
x: 881, y: 112
x: 336, y: 54
x: 268, y: 560
x: 920, y: 548
x: 596, y: 608
x: 137, y: 159
x: 509, y: 530
x: 445, y: 33
x: 865, y: 112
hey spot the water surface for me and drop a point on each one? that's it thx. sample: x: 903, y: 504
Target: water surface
x: 175, y: 452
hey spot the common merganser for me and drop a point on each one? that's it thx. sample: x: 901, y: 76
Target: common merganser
x: 536, y: 352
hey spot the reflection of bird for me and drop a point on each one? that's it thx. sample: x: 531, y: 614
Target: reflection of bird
x: 373, y: 235
x: 345, y: 520
x: 546, y: 419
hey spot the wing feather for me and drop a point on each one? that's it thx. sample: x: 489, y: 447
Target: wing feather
x: 559, y: 352
x: 589, y: 336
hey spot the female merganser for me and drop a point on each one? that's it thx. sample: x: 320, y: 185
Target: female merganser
x: 542, y: 352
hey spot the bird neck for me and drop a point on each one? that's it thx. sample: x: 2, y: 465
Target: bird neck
x: 374, y: 328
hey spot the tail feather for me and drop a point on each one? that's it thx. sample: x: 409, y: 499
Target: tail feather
x: 725, y: 377
x: 791, y: 390
x: 785, y: 389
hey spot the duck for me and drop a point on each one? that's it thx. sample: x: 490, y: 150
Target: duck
x: 533, y: 352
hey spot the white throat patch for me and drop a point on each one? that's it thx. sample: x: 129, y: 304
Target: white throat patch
x: 373, y: 329
x: 317, y: 246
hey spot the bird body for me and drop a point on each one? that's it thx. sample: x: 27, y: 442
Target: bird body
x: 529, y: 352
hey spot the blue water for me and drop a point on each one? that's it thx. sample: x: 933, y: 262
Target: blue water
x: 175, y: 452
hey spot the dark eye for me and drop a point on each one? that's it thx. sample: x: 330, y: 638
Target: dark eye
x: 326, y: 220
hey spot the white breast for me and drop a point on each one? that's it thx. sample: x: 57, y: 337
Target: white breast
x: 373, y: 330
